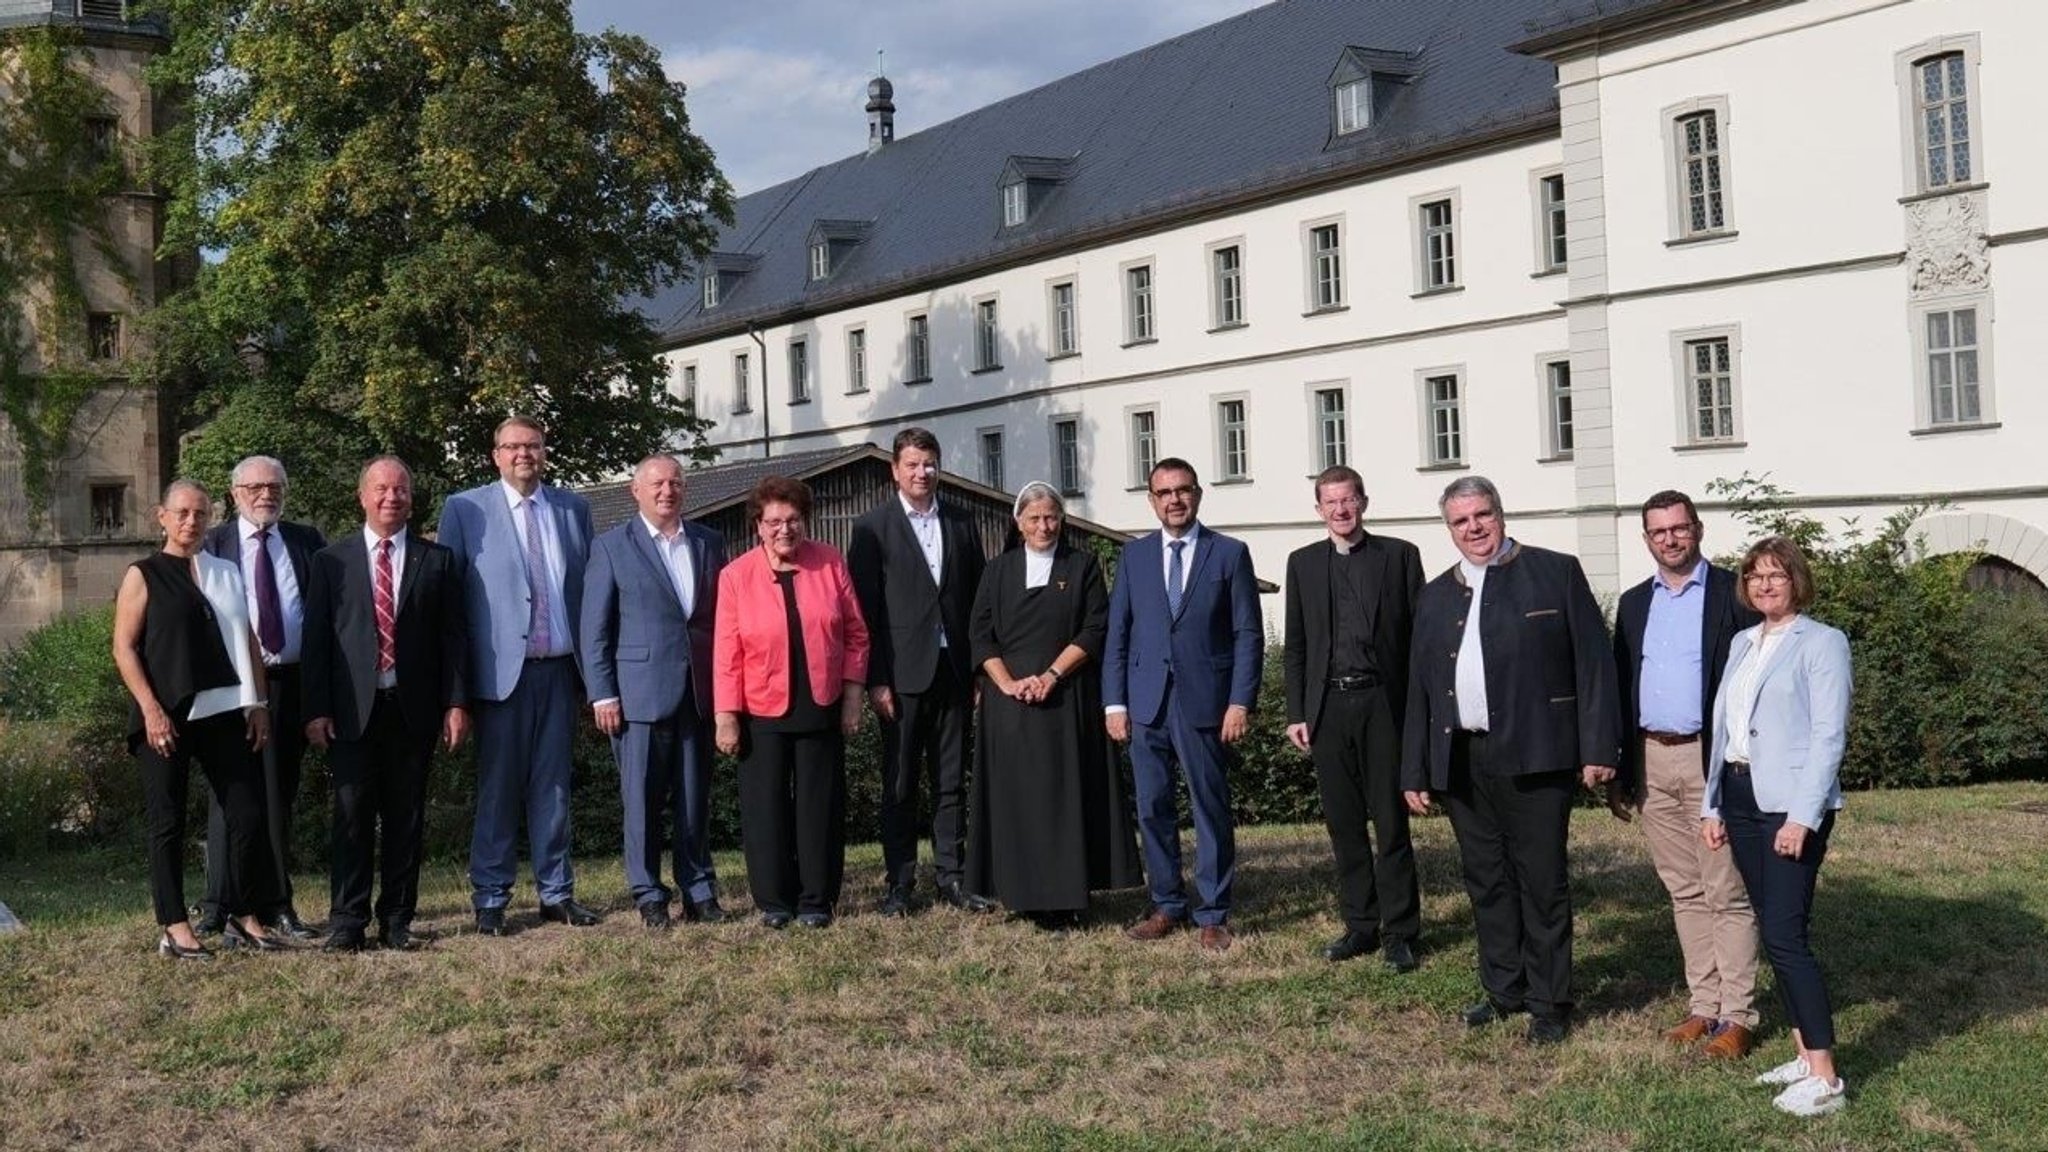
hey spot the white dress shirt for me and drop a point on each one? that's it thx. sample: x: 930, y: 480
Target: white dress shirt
x: 370, y: 542
x: 931, y: 540
x: 288, y: 595
x: 1471, y: 676
x: 675, y: 552
x: 560, y: 639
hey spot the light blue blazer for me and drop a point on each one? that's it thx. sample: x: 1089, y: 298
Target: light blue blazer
x: 477, y: 525
x: 1798, y: 727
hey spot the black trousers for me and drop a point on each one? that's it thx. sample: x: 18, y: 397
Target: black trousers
x: 1781, y: 891
x: 1512, y: 835
x: 282, y: 757
x: 1357, y: 753
x: 927, y: 738
x: 381, y: 778
x: 235, y: 779
x: 793, y: 817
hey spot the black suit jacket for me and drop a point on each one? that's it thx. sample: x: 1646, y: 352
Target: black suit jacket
x: 431, y: 635
x: 1550, y: 691
x: 1396, y: 574
x: 1720, y: 619
x: 902, y: 606
x: 301, y: 543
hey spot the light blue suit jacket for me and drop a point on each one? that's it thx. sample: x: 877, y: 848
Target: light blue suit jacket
x: 1798, y: 727
x: 477, y: 525
x: 637, y: 645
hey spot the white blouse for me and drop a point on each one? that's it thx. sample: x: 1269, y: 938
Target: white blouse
x: 1743, y: 683
x: 220, y: 581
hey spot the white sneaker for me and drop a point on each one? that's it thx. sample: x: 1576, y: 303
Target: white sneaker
x: 1790, y: 1072
x: 1813, y: 1096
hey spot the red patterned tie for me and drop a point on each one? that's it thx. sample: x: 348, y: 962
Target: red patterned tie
x: 387, y: 611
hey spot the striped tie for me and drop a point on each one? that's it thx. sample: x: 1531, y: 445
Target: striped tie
x: 538, y: 638
x: 387, y: 611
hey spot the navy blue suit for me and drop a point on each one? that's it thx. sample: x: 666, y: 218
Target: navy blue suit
x: 641, y: 648
x: 1177, y: 674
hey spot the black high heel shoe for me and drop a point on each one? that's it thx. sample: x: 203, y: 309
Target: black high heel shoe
x: 236, y: 936
x: 165, y: 946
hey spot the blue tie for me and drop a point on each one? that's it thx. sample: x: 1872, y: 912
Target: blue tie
x: 1175, y: 577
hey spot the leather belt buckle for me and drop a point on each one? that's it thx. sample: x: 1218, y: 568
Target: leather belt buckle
x: 1354, y: 683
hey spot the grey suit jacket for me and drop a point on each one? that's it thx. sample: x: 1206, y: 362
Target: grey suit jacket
x: 636, y: 643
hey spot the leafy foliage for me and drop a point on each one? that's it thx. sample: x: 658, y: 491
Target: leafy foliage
x: 63, y: 763
x: 431, y: 216
x: 1948, y: 681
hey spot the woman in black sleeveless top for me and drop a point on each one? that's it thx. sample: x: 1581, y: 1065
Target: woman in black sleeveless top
x: 185, y: 650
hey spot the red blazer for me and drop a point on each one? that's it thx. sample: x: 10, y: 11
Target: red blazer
x: 750, y: 646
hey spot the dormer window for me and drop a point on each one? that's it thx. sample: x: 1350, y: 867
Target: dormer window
x: 723, y: 273
x: 1364, y: 85
x: 1027, y: 182
x: 710, y: 288
x: 1354, y: 106
x: 830, y: 245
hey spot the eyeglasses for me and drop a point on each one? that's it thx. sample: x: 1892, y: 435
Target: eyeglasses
x: 1184, y: 491
x: 272, y: 489
x: 1675, y: 532
x: 523, y: 446
x: 1767, y: 578
x: 792, y: 524
x: 1350, y: 502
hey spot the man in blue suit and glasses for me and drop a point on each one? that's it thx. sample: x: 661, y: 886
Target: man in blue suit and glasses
x: 649, y: 599
x: 1179, y: 676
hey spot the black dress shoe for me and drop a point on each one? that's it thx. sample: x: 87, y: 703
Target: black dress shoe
x: 1400, y: 956
x: 165, y: 946
x: 775, y: 920
x: 490, y: 921
x: 287, y: 923
x: 703, y: 911
x: 895, y: 902
x: 1350, y: 946
x: 233, y: 935
x: 208, y: 923
x: 569, y: 912
x: 397, y: 937
x: 1548, y: 1029
x: 1487, y: 1012
x: 345, y: 940
x: 952, y: 893
x: 815, y: 919
x: 654, y: 914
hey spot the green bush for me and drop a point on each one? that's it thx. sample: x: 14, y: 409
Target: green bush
x: 1948, y: 681
x: 66, y: 772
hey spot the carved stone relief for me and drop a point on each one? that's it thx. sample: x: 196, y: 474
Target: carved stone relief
x: 1947, y: 251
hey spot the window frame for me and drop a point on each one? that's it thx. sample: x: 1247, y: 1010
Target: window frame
x: 856, y: 360
x: 1063, y: 322
x: 1912, y: 146
x: 1552, y: 224
x: 1687, y: 412
x: 1141, y: 303
x: 1068, y: 423
x: 1678, y: 200
x: 1226, y: 289
x: 708, y: 284
x: 1225, y: 430
x: 1323, y: 268
x: 1360, y: 107
x: 1924, y: 420
x: 1428, y: 405
x: 821, y: 260
x: 105, y: 337
x: 1016, y: 203
x: 1559, y: 436
x: 110, y: 491
x: 686, y: 383
x: 1319, y: 422
x: 1135, y: 443
x: 917, y: 348
x: 988, y: 335
x: 1436, y: 265
x: 742, y: 384
x: 983, y: 437
x: 798, y: 363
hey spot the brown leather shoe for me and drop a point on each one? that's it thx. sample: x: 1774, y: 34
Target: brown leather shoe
x: 1216, y: 938
x: 1694, y: 1030
x: 1156, y: 925
x: 1732, y: 1042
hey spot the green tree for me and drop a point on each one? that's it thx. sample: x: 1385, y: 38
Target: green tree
x: 429, y: 216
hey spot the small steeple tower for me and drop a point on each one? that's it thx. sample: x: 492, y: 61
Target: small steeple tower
x: 881, y: 109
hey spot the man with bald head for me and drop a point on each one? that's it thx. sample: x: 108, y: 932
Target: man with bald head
x: 649, y: 601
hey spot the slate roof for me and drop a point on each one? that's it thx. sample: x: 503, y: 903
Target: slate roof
x: 715, y: 485
x: 1233, y: 112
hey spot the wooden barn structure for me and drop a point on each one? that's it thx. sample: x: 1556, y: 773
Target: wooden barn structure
x: 845, y: 483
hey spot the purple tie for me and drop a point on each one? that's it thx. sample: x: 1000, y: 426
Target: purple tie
x: 269, y: 609
x: 538, y: 640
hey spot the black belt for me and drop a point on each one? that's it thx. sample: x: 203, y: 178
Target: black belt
x: 544, y: 659
x: 390, y: 693
x: 281, y: 671
x: 1735, y: 769
x: 1353, y: 683
x: 1671, y: 739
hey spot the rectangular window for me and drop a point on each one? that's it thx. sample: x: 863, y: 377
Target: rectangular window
x: 1326, y: 267
x: 857, y: 360
x: 690, y: 385
x: 1226, y: 286
x: 1710, y: 388
x: 992, y: 458
x: 1144, y: 444
x: 1557, y: 407
x: 742, y: 385
x: 1138, y: 304
x: 102, y: 137
x: 103, y: 336
x: 1354, y: 106
x: 1439, y: 245
x: 1065, y: 340
x: 1944, y: 120
x: 1233, y: 441
x: 987, y: 351
x: 710, y: 288
x: 1550, y: 211
x: 1014, y: 204
x: 1952, y: 393
x: 1445, y: 420
x: 918, y: 356
x: 799, y: 372
x: 1699, y: 173
x: 109, y: 507
x: 1066, y: 454
x: 821, y: 260
x: 1333, y: 433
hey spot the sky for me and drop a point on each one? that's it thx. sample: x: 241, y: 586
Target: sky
x: 778, y: 87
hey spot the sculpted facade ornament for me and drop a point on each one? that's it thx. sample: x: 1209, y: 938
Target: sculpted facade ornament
x: 1947, y: 251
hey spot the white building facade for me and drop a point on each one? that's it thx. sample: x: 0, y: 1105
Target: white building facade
x: 1773, y: 238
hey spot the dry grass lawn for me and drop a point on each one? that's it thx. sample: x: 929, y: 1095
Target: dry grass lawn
x: 951, y: 1031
